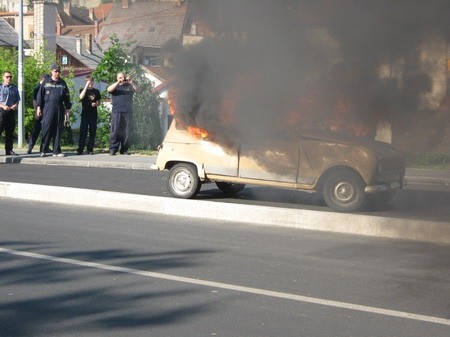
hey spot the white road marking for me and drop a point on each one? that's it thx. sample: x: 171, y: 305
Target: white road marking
x: 249, y: 290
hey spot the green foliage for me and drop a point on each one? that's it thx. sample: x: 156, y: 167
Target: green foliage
x: 33, y: 67
x: 115, y: 59
x: 147, y: 130
x: 67, y: 135
x: 428, y: 160
x: 147, y: 133
x: 103, y: 126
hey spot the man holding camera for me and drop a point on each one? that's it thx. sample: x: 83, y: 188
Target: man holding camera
x: 122, y: 93
x: 90, y: 99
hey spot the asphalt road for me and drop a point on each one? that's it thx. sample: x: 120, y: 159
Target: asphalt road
x: 78, y: 271
x: 414, y: 202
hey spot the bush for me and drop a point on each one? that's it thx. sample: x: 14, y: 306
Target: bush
x: 428, y: 160
x: 103, y: 127
x: 147, y: 134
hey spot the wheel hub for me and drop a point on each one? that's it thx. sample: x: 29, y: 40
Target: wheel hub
x: 344, y: 192
x: 182, y: 182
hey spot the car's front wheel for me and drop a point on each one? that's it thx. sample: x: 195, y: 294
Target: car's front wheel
x: 343, y: 191
x: 183, y: 181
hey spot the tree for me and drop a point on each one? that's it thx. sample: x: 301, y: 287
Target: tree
x: 147, y: 131
x: 33, y: 67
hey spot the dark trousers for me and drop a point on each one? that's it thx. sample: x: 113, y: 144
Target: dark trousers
x: 52, y: 127
x: 120, y: 133
x: 87, y: 124
x: 35, y: 135
x: 8, y: 123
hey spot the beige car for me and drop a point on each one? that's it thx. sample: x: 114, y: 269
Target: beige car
x: 347, y: 171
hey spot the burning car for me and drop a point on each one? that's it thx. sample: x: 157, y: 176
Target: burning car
x: 348, y: 171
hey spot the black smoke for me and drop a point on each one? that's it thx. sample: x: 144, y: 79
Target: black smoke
x: 278, y: 66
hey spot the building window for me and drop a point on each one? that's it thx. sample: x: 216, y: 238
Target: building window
x: 152, y: 61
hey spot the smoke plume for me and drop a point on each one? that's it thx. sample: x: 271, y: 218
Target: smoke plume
x: 275, y: 67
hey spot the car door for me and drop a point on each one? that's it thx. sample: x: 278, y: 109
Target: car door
x: 276, y: 162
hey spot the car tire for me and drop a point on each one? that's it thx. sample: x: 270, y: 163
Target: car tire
x: 343, y: 191
x: 183, y: 181
x: 229, y: 188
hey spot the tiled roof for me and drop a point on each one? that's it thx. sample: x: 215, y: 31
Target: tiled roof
x: 78, y: 30
x: 8, y: 36
x: 163, y: 73
x: 68, y: 43
x: 148, y: 23
x: 102, y: 11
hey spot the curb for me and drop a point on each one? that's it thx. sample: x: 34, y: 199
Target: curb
x: 84, y: 163
x: 393, y: 228
x: 67, y: 161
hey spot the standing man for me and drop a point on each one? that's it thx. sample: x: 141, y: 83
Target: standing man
x: 37, y: 119
x: 53, y: 104
x: 122, y: 93
x: 90, y: 100
x: 9, y: 102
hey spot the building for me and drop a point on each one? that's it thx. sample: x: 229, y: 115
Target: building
x: 148, y: 27
x: 9, y: 37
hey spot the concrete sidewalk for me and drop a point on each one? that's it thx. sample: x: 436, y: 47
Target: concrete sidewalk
x: 103, y: 160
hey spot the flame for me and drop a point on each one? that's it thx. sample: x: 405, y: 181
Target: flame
x: 193, y: 130
x: 198, y: 132
x: 342, y: 120
x: 172, y: 102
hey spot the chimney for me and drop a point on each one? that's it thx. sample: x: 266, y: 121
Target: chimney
x: 44, y: 24
x: 88, y: 42
x: 58, y: 28
x: 67, y: 7
x: 78, y: 46
x: 193, y: 29
x: 96, y: 28
x: 91, y: 14
x: 124, y: 4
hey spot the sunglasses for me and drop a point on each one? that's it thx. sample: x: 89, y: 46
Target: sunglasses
x: 55, y: 71
x: 8, y: 76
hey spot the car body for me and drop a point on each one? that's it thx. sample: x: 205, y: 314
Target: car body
x: 348, y: 171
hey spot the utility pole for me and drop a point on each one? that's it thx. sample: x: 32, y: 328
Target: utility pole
x: 20, y: 112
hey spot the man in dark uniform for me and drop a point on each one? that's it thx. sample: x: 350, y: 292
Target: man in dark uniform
x: 53, y: 104
x: 38, y: 119
x: 122, y: 93
x: 9, y: 103
x: 90, y: 100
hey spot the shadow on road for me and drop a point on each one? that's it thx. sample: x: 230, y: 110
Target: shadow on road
x: 42, y: 295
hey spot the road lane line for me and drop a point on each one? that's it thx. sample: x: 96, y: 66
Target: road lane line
x: 249, y: 290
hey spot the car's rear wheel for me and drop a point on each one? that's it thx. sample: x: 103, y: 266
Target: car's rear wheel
x: 183, y: 181
x: 343, y: 191
x: 229, y: 188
